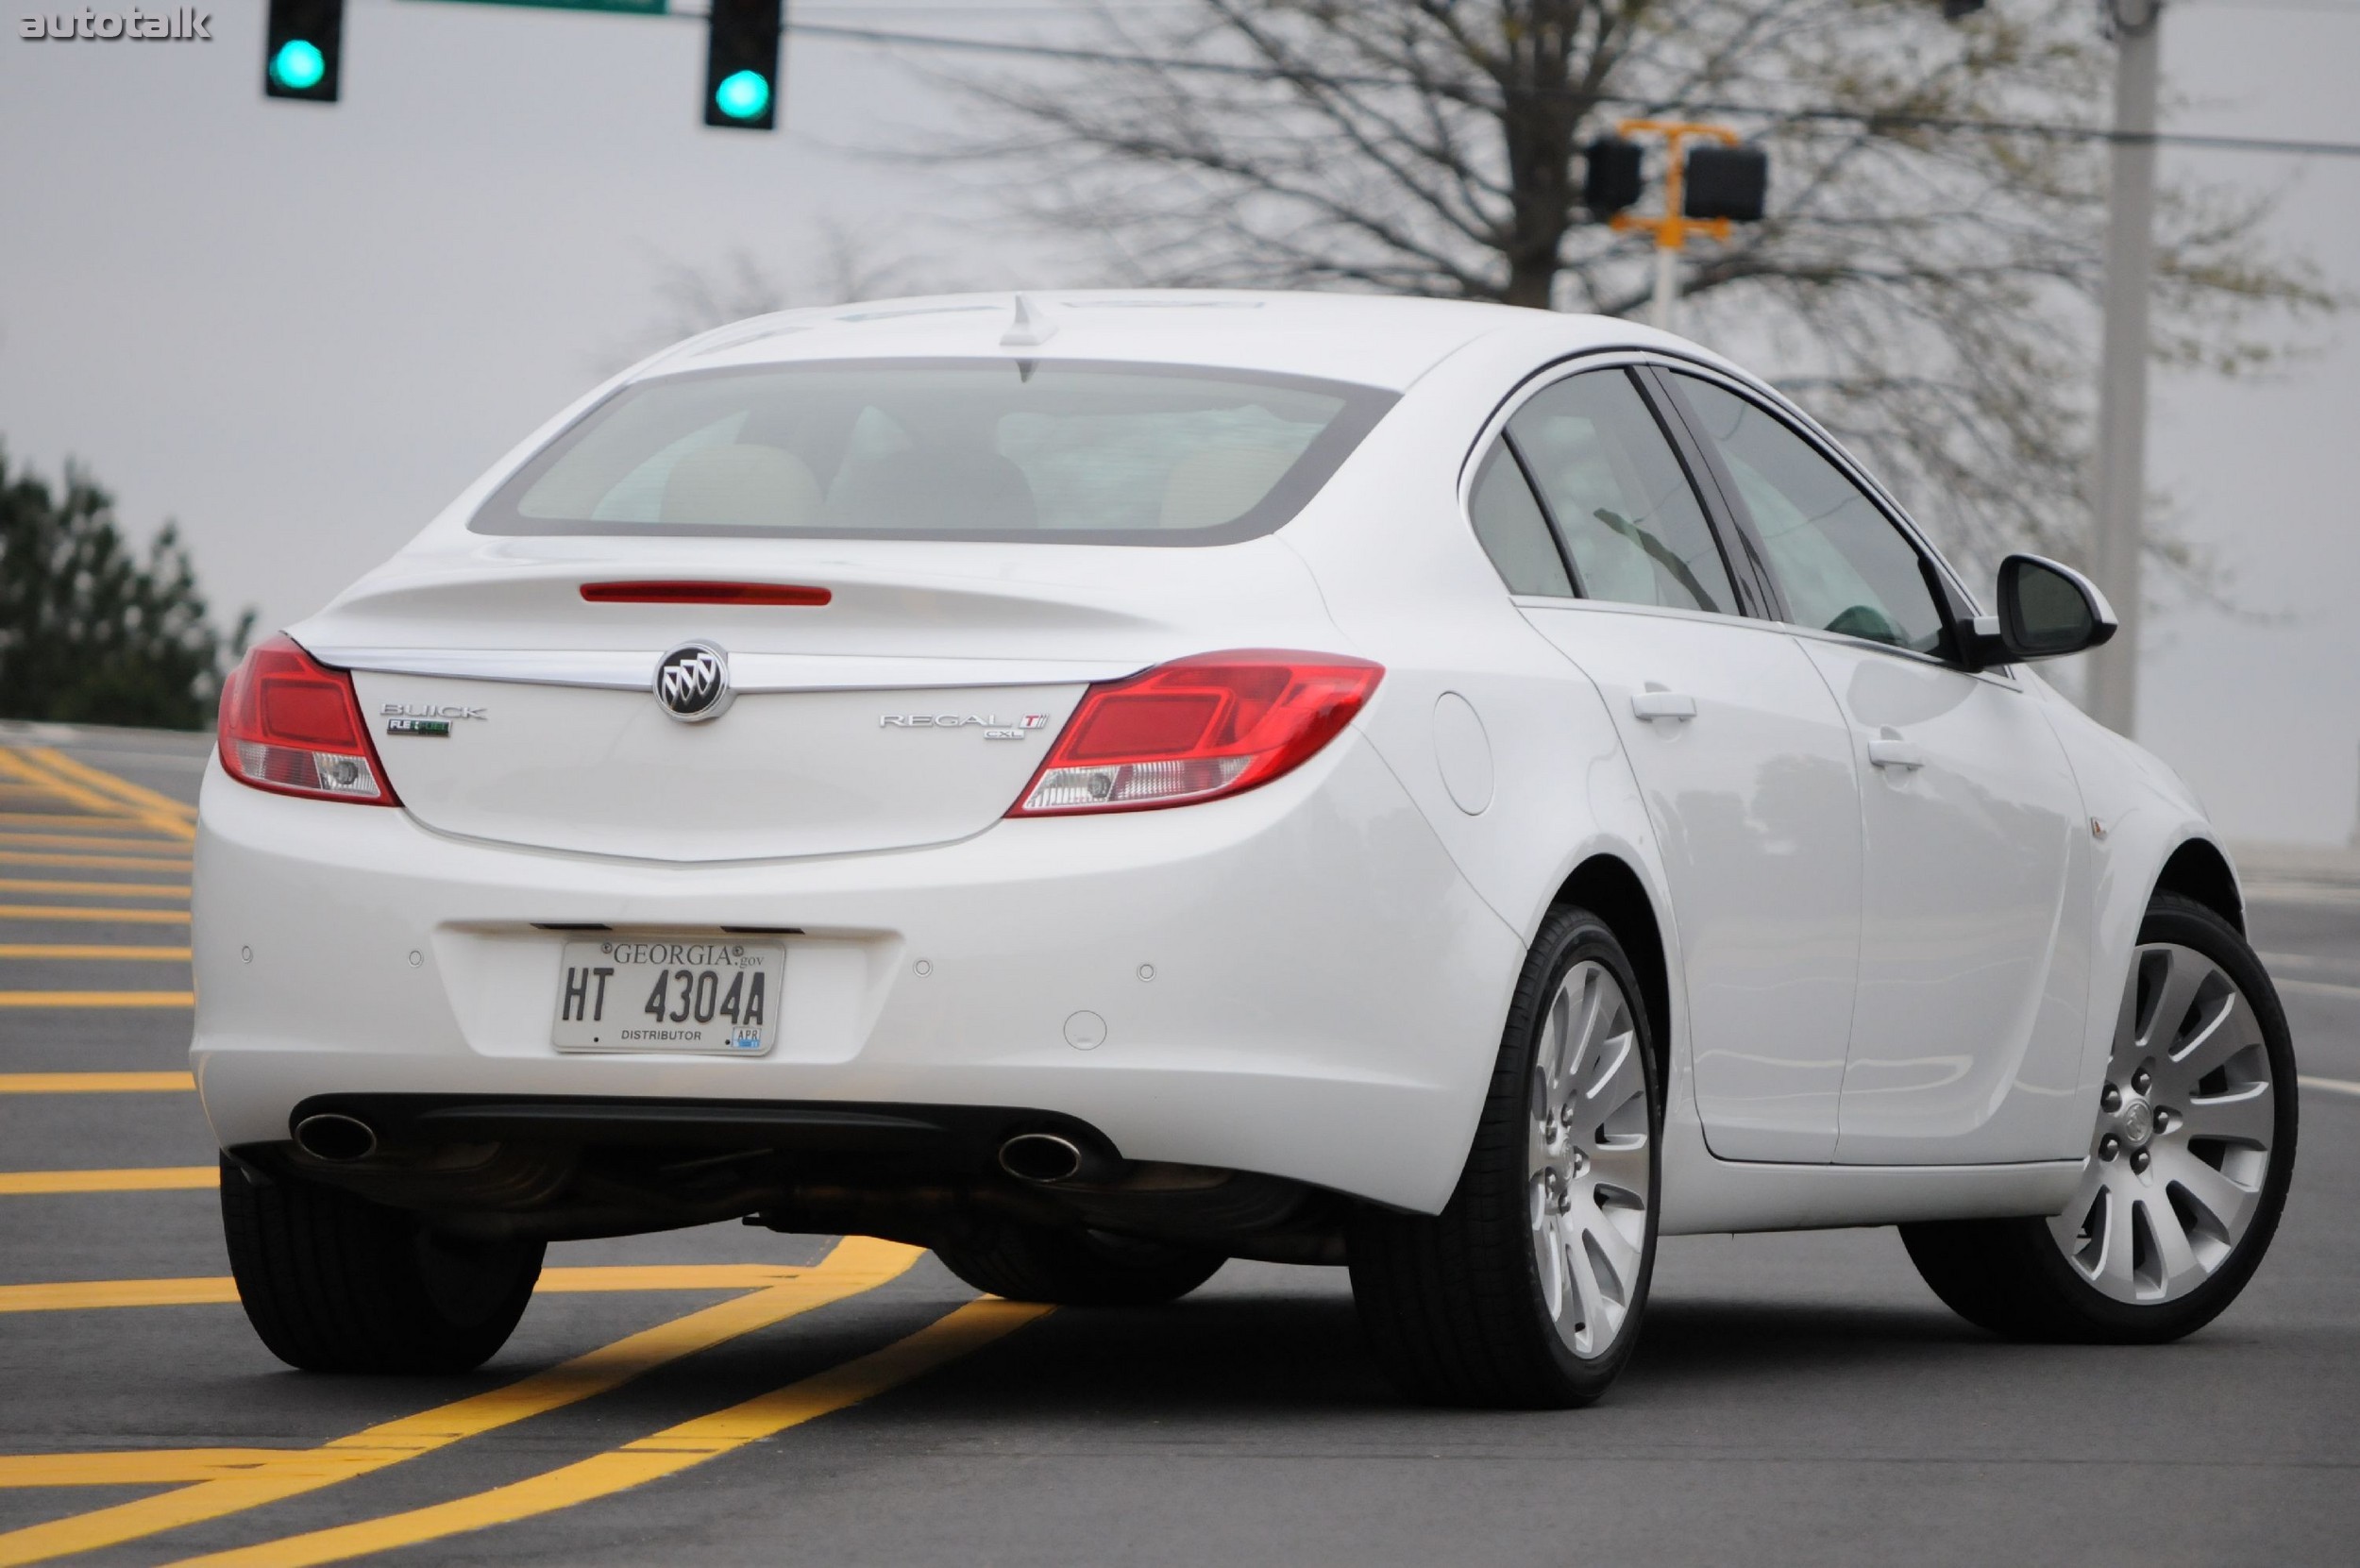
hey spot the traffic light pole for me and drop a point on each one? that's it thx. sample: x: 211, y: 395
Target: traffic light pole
x: 1664, y: 314
x: 1672, y: 229
x: 1671, y: 238
x: 2119, y: 486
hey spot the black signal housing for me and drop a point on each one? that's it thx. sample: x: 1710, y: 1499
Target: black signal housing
x: 1725, y: 182
x: 1612, y: 179
x: 742, y: 64
x: 303, y: 43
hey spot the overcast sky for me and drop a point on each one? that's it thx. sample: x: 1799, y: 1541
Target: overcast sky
x: 300, y: 330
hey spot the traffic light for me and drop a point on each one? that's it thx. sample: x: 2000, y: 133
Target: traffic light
x: 302, y: 42
x: 1611, y: 179
x: 1726, y: 182
x: 742, y: 64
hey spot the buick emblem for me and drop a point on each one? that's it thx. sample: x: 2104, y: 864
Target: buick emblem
x: 693, y: 683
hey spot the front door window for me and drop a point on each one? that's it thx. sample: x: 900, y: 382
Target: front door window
x: 1840, y: 561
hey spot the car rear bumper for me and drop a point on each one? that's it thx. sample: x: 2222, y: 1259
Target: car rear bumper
x: 1296, y: 981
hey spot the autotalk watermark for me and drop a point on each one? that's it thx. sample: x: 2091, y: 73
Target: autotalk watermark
x: 181, y: 22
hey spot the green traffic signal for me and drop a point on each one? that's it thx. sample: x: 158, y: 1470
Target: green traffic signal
x: 742, y: 63
x: 298, y: 65
x: 742, y: 95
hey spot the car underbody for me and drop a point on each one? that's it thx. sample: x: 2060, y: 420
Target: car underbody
x: 568, y: 1167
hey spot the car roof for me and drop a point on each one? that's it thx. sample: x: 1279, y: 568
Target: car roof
x: 1365, y: 339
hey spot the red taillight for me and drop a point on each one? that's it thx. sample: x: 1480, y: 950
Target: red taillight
x: 291, y: 724
x: 1206, y: 726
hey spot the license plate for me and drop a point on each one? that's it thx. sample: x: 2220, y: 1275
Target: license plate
x: 716, y: 998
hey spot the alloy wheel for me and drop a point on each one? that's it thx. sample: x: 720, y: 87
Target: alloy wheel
x: 2183, y: 1140
x: 1588, y: 1164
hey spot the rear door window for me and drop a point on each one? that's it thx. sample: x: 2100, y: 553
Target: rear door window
x: 1513, y: 529
x: 1613, y: 485
x: 1001, y: 449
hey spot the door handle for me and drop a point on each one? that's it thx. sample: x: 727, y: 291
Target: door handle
x: 1657, y: 703
x: 1893, y: 752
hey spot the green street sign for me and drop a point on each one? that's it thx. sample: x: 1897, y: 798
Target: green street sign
x: 628, y: 7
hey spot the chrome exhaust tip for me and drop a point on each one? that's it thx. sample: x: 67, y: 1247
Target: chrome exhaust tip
x: 335, y: 1138
x: 1040, y: 1157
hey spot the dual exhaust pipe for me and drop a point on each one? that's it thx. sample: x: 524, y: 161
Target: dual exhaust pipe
x: 335, y: 1138
x: 1045, y: 1158
x: 1041, y: 1158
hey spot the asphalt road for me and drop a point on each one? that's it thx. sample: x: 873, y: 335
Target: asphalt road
x: 1797, y: 1399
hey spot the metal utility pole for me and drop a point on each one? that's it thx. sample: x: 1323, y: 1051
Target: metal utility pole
x: 2121, y: 478
x: 2356, y: 828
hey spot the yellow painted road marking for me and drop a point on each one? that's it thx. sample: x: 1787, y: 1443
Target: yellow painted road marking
x: 2333, y: 1085
x: 134, y: 1467
x: 78, y: 783
x: 207, y: 1290
x: 81, y: 1294
x: 857, y: 1264
x: 95, y: 1082
x: 127, y: 889
x: 151, y: 1178
x: 20, y: 766
x: 138, y: 797
x: 101, y: 821
x: 667, y: 1453
x: 90, y: 950
x: 105, y: 839
x: 75, y: 912
x: 117, y: 862
x: 97, y: 999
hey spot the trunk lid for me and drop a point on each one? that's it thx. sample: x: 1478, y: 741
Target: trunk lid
x: 910, y: 709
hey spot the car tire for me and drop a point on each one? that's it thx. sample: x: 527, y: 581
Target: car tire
x: 335, y: 1283
x: 1079, y: 1268
x: 1527, y: 1292
x: 2188, y: 1165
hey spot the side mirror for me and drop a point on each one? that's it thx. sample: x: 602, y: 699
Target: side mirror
x: 2047, y: 610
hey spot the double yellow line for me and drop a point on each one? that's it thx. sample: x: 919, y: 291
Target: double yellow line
x: 213, y: 1483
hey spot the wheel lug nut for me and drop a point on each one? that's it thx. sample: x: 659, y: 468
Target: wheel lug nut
x: 2140, y: 1080
x: 2111, y: 1101
x: 2109, y: 1146
x: 2139, y: 1162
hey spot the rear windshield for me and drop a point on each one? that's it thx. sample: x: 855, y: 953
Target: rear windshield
x: 985, y: 450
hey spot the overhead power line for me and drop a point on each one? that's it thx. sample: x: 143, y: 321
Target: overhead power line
x: 2053, y: 130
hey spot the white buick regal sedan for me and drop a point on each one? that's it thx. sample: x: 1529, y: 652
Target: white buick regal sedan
x: 1100, y: 783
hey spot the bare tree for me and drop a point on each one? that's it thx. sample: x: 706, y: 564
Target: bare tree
x: 1926, y: 283
x: 848, y: 263
x: 698, y: 298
